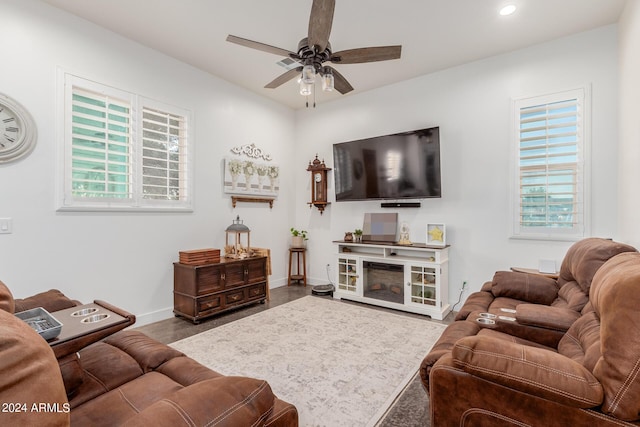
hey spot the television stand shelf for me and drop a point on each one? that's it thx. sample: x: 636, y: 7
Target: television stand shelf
x: 409, y: 278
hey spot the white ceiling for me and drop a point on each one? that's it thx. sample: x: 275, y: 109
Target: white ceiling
x: 435, y: 34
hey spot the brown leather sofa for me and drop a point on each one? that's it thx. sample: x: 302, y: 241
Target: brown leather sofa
x: 540, y: 309
x: 591, y: 378
x: 125, y: 379
x: 544, y: 308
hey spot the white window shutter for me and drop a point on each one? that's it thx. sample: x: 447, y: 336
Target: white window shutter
x: 550, y: 166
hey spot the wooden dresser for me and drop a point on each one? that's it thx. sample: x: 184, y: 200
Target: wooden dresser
x: 200, y: 291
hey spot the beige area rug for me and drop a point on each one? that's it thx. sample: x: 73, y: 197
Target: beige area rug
x: 339, y: 364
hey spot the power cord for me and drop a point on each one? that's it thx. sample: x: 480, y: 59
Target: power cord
x: 464, y: 284
x: 329, y: 275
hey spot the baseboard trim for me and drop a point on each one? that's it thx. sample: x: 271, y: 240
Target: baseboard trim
x: 154, y: 316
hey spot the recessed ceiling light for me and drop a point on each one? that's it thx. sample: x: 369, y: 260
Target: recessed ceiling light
x: 507, y: 10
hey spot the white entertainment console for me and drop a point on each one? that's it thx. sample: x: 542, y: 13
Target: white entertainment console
x: 410, y: 278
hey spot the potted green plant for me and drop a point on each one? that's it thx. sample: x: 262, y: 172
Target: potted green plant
x: 298, y: 237
x: 358, y: 233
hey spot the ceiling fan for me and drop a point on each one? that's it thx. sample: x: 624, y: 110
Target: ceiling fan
x: 315, y: 49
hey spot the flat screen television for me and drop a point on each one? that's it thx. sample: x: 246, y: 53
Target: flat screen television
x: 400, y: 166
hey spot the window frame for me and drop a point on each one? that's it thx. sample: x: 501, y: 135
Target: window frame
x: 67, y: 201
x: 583, y: 172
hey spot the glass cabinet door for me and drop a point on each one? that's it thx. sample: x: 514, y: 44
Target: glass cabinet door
x: 423, y: 285
x: 347, y: 274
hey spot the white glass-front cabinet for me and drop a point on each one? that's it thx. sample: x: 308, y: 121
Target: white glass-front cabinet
x: 362, y: 276
x: 348, y: 277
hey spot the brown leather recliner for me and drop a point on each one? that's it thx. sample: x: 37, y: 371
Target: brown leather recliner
x: 590, y: 379
x: 126, y: 379
x: 543, y: 308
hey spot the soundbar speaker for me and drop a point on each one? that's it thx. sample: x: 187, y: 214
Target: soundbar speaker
x: 400, y: 205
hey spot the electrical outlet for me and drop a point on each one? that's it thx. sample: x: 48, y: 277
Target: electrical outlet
x: 6, y: 226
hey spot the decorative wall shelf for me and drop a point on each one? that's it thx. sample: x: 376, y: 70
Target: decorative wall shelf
x: 235, y: 199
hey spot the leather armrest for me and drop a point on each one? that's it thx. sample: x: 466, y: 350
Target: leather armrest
x: 237, y: 401
x: 477, y: 301
x: 532, y: 288
x: 51, y: 300
x: 531, y: 370
x: 547, y: 317
x: 65, y: 348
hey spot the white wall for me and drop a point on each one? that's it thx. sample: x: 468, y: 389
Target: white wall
x: 125, y: 259
x: 629, y: 159
x: 471, y: 104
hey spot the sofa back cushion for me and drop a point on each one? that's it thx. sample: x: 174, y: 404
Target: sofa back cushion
x: 582, y: 341
x: 615, y: 297
x: 585, y: 257
x: 571, y: 296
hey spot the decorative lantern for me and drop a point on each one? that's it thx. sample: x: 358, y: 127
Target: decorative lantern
x: 234, y: 249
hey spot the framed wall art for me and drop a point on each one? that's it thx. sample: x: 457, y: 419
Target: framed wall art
x: 436, y: 235
x: 250, y: 177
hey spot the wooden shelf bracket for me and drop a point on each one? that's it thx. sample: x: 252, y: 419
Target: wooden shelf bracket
x: 235, y: 199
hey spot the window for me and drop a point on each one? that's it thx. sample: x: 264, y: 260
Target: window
x: 123, y: 151
x: 550, y: 168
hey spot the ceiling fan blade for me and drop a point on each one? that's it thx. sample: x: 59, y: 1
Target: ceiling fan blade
x: 320, y: 23
x: 366, y: 54
x: 283, y: 78
x: 339, y: 82
x: 260, y: 46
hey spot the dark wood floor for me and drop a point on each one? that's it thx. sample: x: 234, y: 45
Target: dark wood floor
x: 410, y: 409
x: 177, y: 328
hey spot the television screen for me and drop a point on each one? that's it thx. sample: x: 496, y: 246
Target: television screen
x: 400, y: 166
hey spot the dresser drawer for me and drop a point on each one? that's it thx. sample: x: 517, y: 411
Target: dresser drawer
x: 257, y: 291
x: 209, y: 304
x: 234, y: 297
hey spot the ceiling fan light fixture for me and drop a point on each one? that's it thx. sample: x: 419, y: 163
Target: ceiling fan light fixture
x: 308, y: 73
x: 328, y: 81
x: 305, y: 88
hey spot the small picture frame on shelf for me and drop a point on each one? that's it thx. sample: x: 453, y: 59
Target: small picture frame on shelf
x: 436, y: 234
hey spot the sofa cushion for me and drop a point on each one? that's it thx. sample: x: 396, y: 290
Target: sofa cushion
x: 532, y: 288
x: 147, y: 352
x: 614, y: 296
x: 106, y: 368
x: 530, y: 370
x: 238, y: 401
x: 124, y: 402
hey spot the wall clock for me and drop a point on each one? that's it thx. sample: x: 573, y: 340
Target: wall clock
x: 319, y: 173
x: 18, y: 131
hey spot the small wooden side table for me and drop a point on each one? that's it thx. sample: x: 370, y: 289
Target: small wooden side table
x: 301, y: 255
